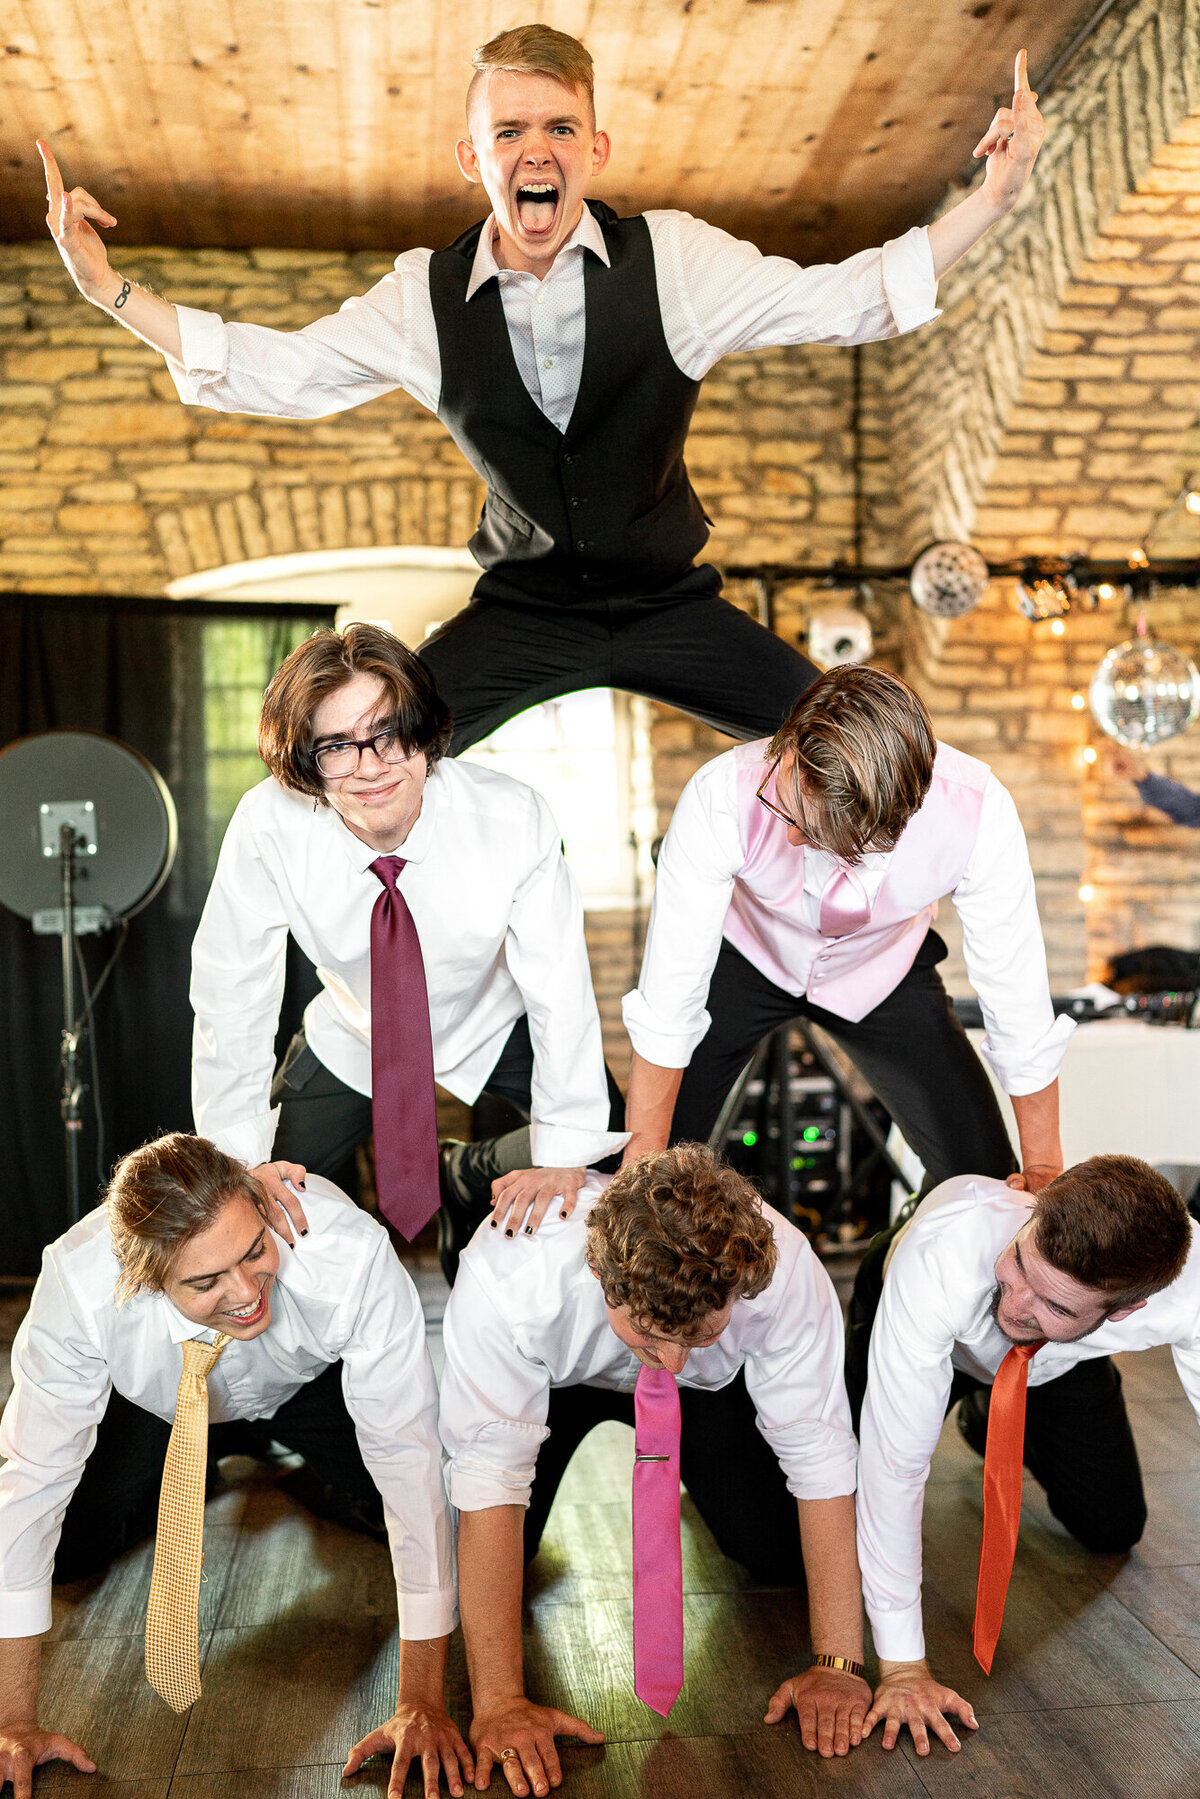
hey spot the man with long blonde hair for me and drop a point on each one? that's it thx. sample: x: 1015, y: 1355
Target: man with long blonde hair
x: 169, y: 1327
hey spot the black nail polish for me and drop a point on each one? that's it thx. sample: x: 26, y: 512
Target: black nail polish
x: 562, y: 1214
x: 304, y: 1232
x: 493, y: 1222
x: 508, y: 1232
x: 529, y: 1230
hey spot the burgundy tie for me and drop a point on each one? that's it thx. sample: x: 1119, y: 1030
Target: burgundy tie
x: 657, y: 1553
x: 403, y: 1103
x: 844, y: 905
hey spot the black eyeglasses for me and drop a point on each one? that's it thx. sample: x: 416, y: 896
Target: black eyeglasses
x: 344, y: 756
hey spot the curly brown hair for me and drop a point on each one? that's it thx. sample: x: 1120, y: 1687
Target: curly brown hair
x: 676, y: 1236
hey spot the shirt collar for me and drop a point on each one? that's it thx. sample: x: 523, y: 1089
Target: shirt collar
x: 416, y: 845
x: 587, y: 235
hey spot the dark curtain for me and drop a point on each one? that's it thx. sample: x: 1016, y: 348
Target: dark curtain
x: 151, y: 673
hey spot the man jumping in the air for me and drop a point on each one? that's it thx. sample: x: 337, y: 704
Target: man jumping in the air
x: 564, y: 348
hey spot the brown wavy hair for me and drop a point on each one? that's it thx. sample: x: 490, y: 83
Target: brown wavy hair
x: 676, y: 1236
x: 862, y: 748
x: 318, y: 667
x: 164, y: 1193
x: 1116, y: 1224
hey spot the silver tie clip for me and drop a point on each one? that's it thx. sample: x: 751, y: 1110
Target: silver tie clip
x: 639, y: 1457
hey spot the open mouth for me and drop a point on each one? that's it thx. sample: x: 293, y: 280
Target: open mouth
x: 252, y: 1314
x: 537, y: 207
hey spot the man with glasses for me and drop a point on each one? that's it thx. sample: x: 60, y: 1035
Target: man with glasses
x: 799, y: 879
x: 434, y: 902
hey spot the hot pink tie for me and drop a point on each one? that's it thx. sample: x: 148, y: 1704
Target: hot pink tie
x: 403, y: 1102
x: 844, y: 905
x: 657, y: 1559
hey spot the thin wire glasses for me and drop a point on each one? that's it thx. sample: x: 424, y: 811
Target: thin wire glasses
x: 796, y: 823
x: 344, y: 756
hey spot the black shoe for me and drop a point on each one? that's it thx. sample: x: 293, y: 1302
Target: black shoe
x: 972, y: 1419
x: 457, y: 1219
x: 324, y: 1501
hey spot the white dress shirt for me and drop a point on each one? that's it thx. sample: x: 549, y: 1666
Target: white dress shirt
x: 527, y: 1314
x: 716, y: 295
x: 340, y: 1294
x: 500, y: 925
x: 936, y: 1316
x: 702, y: 855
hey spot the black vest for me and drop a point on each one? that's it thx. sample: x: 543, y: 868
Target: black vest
x: 606, y: 509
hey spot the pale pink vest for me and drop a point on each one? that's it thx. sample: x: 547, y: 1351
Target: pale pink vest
x: 850, y: 975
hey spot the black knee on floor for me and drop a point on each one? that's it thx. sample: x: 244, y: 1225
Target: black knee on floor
x: 1108, y: 1536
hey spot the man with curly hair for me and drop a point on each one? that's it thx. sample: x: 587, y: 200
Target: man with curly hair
x: 677, y: 1267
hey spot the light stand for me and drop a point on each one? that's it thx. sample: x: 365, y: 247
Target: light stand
x: 72, y: 1091
x: 121, y: 839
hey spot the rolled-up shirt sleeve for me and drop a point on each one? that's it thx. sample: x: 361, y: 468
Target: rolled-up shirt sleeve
x: 795, y: 1380
x: 546, y: 952
x: 60, y: 1392
x: 494, y: 1402
x: 391, y: 1395
x: 356, y: 354
x: 666, y: 1015
x: 719, y: 294
x: 239, y: 958
x: 1004, y: 952
x: 910, y: 1372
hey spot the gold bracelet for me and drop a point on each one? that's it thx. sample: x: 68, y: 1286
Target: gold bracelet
x: 841, y: 1662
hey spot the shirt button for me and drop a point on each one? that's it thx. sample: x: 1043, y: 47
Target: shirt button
x: 548, y: 363
x: 575, y: 504
x: 540, y: 298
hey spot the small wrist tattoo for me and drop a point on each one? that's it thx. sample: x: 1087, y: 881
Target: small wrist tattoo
x: 124, y: 294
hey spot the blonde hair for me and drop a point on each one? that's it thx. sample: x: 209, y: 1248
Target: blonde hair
x: 536, y: 50
x: 164, y: 1193
x: 862, y: 750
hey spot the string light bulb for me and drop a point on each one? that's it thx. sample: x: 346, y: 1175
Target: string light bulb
x: 1089, y: 754
x: 1057, y: 627
x: 1078, y: 702
x: 1087, y: 893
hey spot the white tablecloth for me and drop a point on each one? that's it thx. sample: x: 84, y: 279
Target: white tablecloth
x: 1127, y: 1088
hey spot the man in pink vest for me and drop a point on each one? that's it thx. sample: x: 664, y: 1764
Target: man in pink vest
x: 799, y: 879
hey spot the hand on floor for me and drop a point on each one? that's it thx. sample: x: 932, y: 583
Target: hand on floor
x: 908, y: 1694
x: 830, y: 1705
x: 423, y: 1732
x: 519, y: 1736
x: 24, y: 1748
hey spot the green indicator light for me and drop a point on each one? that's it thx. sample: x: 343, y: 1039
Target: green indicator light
x: 811, y: 1133
x: 749, y: 1138
x: 797, y: 1161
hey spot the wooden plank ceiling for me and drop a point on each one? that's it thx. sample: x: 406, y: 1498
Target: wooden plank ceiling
x: 812, y: 126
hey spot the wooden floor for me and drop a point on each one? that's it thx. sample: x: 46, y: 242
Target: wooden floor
x: 1095, y: 1694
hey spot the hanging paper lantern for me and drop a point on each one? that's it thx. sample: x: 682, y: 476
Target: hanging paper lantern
x: 948, y: 579
x: 1145, y: 691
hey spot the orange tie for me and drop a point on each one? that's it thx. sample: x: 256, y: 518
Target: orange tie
x: 1002, y: 1466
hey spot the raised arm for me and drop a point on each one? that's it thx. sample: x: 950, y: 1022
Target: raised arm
x: 1010, y: 144
x: 81, y: 247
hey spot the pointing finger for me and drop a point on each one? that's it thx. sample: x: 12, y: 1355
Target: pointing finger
x: 1021, y: 73
x: 54, y: 180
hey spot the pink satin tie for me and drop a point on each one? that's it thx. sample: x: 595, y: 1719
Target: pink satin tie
x: 844, y: 905
x: 403, y: 1102
x: 657, y: 1558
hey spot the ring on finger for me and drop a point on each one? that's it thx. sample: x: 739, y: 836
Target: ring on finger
x: 505, y: 1753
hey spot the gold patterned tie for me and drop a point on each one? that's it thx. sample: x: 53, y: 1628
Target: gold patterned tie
x: 172, y: 1626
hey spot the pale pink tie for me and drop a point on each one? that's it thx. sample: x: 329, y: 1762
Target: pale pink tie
x: 657, y: 1558
x: 844, y: 905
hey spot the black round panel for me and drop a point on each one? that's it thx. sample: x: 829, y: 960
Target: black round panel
x: 134, y: 823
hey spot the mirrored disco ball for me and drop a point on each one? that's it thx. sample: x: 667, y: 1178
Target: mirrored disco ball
x: 948, y: 579
x: 1145, y: 691
x: 1043, y: 598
